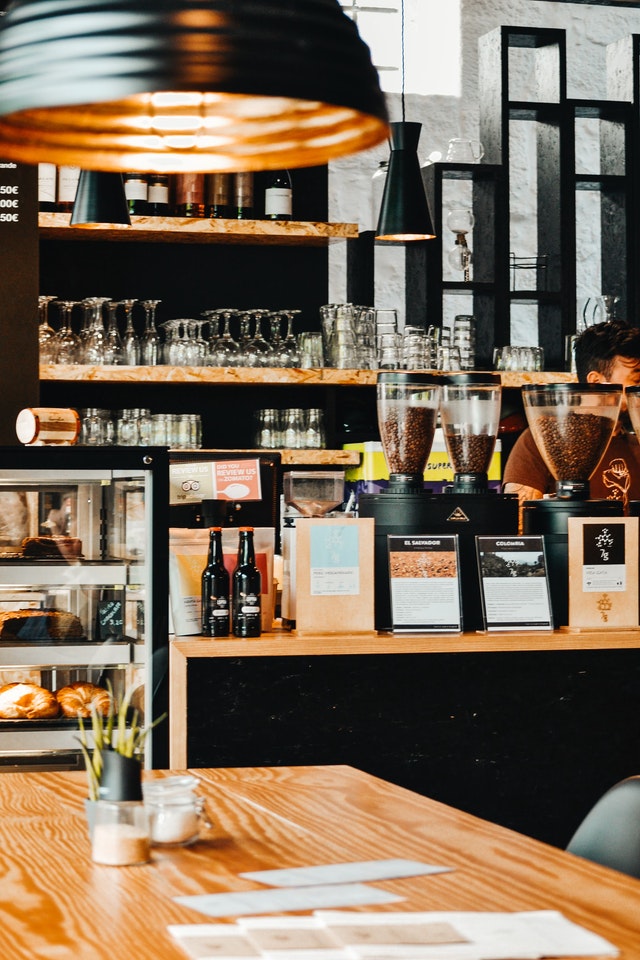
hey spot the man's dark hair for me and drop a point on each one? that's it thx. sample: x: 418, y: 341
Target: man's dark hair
x: 597, y: 347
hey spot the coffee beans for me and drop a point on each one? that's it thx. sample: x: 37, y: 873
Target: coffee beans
x: 470, y: 453
x: 407, y: 435
x: 572, y: 445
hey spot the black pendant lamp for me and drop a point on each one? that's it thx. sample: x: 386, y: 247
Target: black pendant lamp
x: 404, y: 212
x: 100, y: 200
x: 185, y: 85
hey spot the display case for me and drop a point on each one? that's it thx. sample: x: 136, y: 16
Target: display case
x: 83, y: 592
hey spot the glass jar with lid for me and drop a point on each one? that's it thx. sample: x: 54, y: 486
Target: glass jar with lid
x: 174, y: 810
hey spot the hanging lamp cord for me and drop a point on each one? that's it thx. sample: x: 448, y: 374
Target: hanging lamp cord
x: 402, y: 56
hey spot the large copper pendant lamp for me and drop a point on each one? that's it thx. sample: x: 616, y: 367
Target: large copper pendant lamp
x: 185, y: 85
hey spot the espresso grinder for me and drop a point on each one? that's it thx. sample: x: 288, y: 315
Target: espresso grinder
x: 572, y: 424
x: 408, y: 406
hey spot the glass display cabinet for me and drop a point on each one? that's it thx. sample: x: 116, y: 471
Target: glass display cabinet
x: 83, y: 594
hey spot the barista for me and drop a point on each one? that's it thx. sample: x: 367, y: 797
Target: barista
x: 605, y: 353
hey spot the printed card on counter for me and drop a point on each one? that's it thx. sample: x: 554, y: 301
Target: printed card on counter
x: 603, y: 572
x: 425, y: 583
x: 514, y: 583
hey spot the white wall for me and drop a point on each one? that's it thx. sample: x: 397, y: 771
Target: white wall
x: 589, y: 29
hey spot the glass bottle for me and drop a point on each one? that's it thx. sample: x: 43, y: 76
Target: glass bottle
x: 189, y: 195
x: 68, y: 177
x: 136, y: 190
x: 243, y: 195
x: 158, y: 195
x: 278, y: 196
x: 47, y: 173
x: 215, y: 589
x: 218, y: 191
x: 246, y: 588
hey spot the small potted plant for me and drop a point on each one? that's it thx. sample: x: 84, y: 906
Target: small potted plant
x: 113, y: 759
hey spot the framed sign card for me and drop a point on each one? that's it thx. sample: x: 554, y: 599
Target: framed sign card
x: 425, y: 584
x: 514, y: 584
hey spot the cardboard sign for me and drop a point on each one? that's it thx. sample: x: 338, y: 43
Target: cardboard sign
x: 514, y: 583
x: 425, y: 583
x: 603, y: 572
x: 334, y: 575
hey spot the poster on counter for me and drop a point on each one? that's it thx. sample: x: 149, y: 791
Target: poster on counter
x: 425, y: 584
x: 603, y: 572
x: 514, y: 583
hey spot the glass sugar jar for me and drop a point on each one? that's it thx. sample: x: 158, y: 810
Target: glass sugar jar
x: 174, y: 810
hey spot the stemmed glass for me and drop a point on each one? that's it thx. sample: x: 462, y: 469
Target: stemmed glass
x: 287, y: 354
x: 46, y: 333
x: 150, y: 341
x: 113, y: 347
x: 258, y: 352
x: 94, y: 340
x: 226, y: 349
x: 196, y: 344
x: 212, y: 318
x: 67, y: 343
x: 130, y: 340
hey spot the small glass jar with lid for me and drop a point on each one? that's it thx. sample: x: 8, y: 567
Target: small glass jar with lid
x: 174, y: 810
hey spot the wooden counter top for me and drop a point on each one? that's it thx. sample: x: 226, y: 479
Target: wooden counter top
x: 57, y: 903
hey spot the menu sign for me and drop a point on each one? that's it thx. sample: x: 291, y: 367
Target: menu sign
x: 514, y: 584
x: 424, y: 581
x: 18, y: 293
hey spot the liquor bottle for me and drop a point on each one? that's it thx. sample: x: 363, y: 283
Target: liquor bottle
x: 243, y: 196
x: 246, y: 588
x: 47, y: 173
x: 158, y: 195
x: 278, y: 196
x: 218, y: 191
x: 136, y: 190
x: 215, y: 589
x: 68, y: 177
x: 189, y: 195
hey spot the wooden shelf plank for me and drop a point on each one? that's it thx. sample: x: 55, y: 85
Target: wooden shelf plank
x: 243, y: 376
x: 55, y: 226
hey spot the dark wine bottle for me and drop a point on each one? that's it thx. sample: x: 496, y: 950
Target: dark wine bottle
x: 278, y: 196
x: 189, y: 195
x: 246, y: 588
x: 47, y: 179
x: 136, y: 190
x: 218, y: 191
x: 243, y: 196
x: 215, y: 589
x: 158, y: 195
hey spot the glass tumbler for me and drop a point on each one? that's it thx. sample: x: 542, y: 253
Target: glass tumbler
x: 120, y: 834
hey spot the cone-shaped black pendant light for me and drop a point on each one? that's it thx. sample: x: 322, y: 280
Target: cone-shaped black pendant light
x: 100, y: 200
x: 185, y: 85
x: 404, y: 212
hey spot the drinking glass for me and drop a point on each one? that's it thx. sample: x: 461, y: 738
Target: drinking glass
x: 67, y: 343
x: 130, y: 340
x: 226, y: 348
x: 94, y: 341
x: 258, y: 352
x: 150, y: 340
x: 311, y: 355
x: 288, y: 354
x: 113, y: 348
x: 46, y: 333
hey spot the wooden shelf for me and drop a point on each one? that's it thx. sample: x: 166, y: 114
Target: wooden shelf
x: 306, y: 457
x: 55, y: 226
x: 242, y: 376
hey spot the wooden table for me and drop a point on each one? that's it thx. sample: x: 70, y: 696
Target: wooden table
x: 56, y: 904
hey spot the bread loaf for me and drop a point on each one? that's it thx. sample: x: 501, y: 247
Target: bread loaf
x: 51, y: 548
x: 46, y: 624
x: 27, y: 701
x: 76, y: 699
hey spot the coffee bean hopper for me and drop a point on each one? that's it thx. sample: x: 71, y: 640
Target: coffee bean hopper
x: 572, y: 424
x: 408, y: 405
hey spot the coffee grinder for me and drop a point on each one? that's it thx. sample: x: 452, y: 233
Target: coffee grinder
x: 408, y: 404
x: 572, y: 424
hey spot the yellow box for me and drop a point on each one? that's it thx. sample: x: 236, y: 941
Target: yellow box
x: 373, y: 465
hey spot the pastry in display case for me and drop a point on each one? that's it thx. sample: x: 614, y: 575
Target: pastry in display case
x: 83, y: 596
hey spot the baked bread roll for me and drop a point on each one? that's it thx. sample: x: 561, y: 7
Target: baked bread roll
x: 52, y: 547
x: 46, y: 624
x: 27, y: 701
x: 76, y: 699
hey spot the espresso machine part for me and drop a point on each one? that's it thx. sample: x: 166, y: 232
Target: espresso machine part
x: 470, y: 416
x: 572, y: 424
x: 406, y: 508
